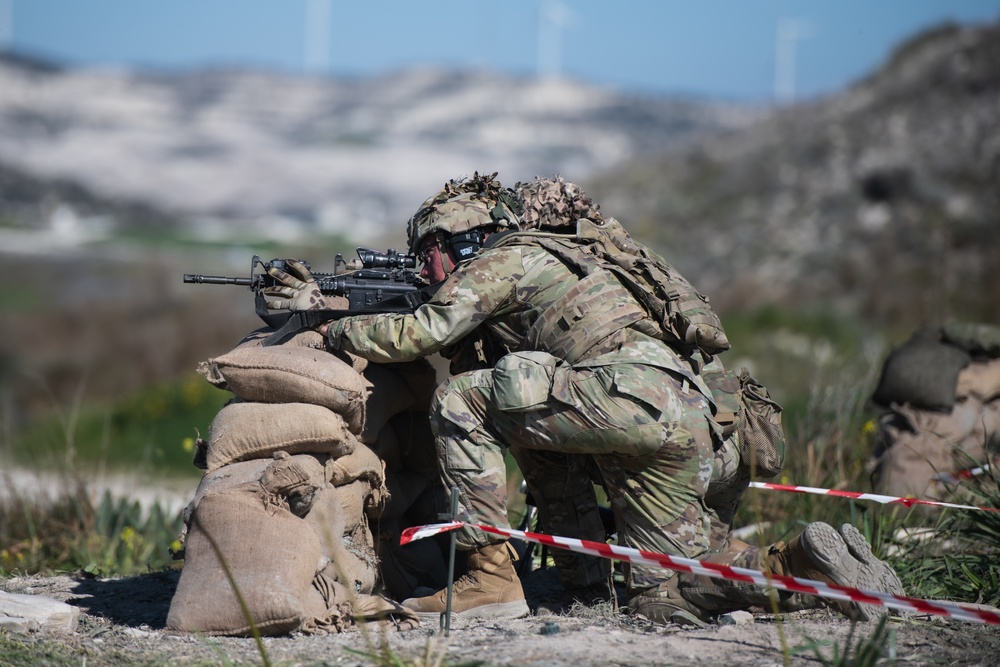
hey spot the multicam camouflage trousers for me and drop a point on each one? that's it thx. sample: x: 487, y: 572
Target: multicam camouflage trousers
x: 645, y: 429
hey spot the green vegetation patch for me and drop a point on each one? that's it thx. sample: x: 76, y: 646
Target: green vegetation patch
x: 150, y: 430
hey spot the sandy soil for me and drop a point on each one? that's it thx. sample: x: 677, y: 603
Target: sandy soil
x: 124, y: 619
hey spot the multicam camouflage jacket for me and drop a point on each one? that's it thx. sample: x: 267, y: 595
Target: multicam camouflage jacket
x: 518, y: 297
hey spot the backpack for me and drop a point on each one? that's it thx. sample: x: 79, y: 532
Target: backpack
x: 682, y: 311
x: 682, y: 315
x: 684, y: 318
x: 744, y: 407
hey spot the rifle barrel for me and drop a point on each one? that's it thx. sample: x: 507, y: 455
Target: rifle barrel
x: 217, y: 280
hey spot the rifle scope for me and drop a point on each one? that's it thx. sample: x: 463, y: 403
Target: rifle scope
x: 390, y: 259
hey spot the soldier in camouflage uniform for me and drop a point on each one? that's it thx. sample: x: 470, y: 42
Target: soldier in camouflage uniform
x: 560, y: 369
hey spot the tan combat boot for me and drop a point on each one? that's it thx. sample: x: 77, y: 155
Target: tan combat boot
x: 664, y: 604
x: 490, y: 589
x: 822, y: 554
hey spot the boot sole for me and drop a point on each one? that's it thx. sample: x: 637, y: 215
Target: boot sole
x: 497, y: 611
x: 831, y: 555
x: 874, y: 575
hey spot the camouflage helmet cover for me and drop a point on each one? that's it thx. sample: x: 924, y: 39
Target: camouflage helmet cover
x: 552, y: 203
x: 462, y: 205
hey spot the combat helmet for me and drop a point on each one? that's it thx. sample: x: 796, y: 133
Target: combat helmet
x: 553, y: 204
x: 464, y: 205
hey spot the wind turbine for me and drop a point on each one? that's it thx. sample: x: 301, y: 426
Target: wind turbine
x: 319, y: 15
x: 554, y: 16
x: 6, y: 24
x: 789, y: 33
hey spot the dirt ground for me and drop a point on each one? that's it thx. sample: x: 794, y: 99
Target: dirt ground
x: 122, y: 621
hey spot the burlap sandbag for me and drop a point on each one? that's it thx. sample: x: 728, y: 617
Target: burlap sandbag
x: 242, y: 431
x: 386, y: 445
x: 389, y: 396
x: 404, y: 487
x: 350, y: 561
x: 294, y: 481
x: 353, y: 498
x: 415, y: 441
x: 977, y: 338
x: 421, y: 377
x: 309, y: 471
x: 225, y: 478
x: 922, y: 372
x: 919, y: 444
x: 288, y: 374
x: 338, y: 510
x: 981, y: 380
x: 304, y: 338
x: 361, y: 463
x: 271, y: 555
x: 344, y: 537
x: 332, y: 607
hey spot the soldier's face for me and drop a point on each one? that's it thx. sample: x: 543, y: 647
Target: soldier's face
x: 433, y: 270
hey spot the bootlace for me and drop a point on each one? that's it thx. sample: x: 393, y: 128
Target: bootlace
x: 467, y: 580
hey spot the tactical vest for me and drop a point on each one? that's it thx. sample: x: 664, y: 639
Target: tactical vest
x: 671, y: 310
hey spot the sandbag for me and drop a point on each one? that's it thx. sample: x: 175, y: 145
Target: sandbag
x: 417, y: 450
x: 980, y: 380
x: 361, y: 463
x: 351, y: 560
x: 977, y: 338
x: 242, y: 431
x: 344, y: 536
x: 353, y: 498
x: 271, y: 555
x: 332, y: 607
x: 225, y: 478
x: 421, y: 378
x: 404, y: 487
x: 916, y: 445
x: 293, y: 481
x: 389, y: 396
x: 305, y: 338
x: 923, y: 372
x: 386, y: 445
x: 284, y: 374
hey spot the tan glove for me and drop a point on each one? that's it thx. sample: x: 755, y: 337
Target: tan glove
x: 297, y: 286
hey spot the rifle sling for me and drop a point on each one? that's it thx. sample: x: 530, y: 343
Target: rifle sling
x: 309, y: 319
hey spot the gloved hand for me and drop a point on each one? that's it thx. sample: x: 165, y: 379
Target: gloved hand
x: 296, y: 285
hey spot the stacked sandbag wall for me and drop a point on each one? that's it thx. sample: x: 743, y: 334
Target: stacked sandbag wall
x: 303, y: 468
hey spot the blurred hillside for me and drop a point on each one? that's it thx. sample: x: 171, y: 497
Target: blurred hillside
x: 881, y: 202
x: 295, y: 155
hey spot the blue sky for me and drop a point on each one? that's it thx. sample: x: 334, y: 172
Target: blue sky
x: 720, y: 48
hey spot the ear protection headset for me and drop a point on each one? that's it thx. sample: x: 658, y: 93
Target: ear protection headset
x: 465, y: 245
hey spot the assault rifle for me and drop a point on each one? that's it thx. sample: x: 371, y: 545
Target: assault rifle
x: 376, y: 282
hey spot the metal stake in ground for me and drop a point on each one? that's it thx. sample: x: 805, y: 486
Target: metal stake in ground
x: 445, y: 620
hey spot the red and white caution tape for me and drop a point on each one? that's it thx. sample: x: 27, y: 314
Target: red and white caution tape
x: 953, y: 477
x: 908, y: 502
x: 794, y: 584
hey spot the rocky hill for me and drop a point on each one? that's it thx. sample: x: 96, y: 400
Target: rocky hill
x: 882, y: 201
